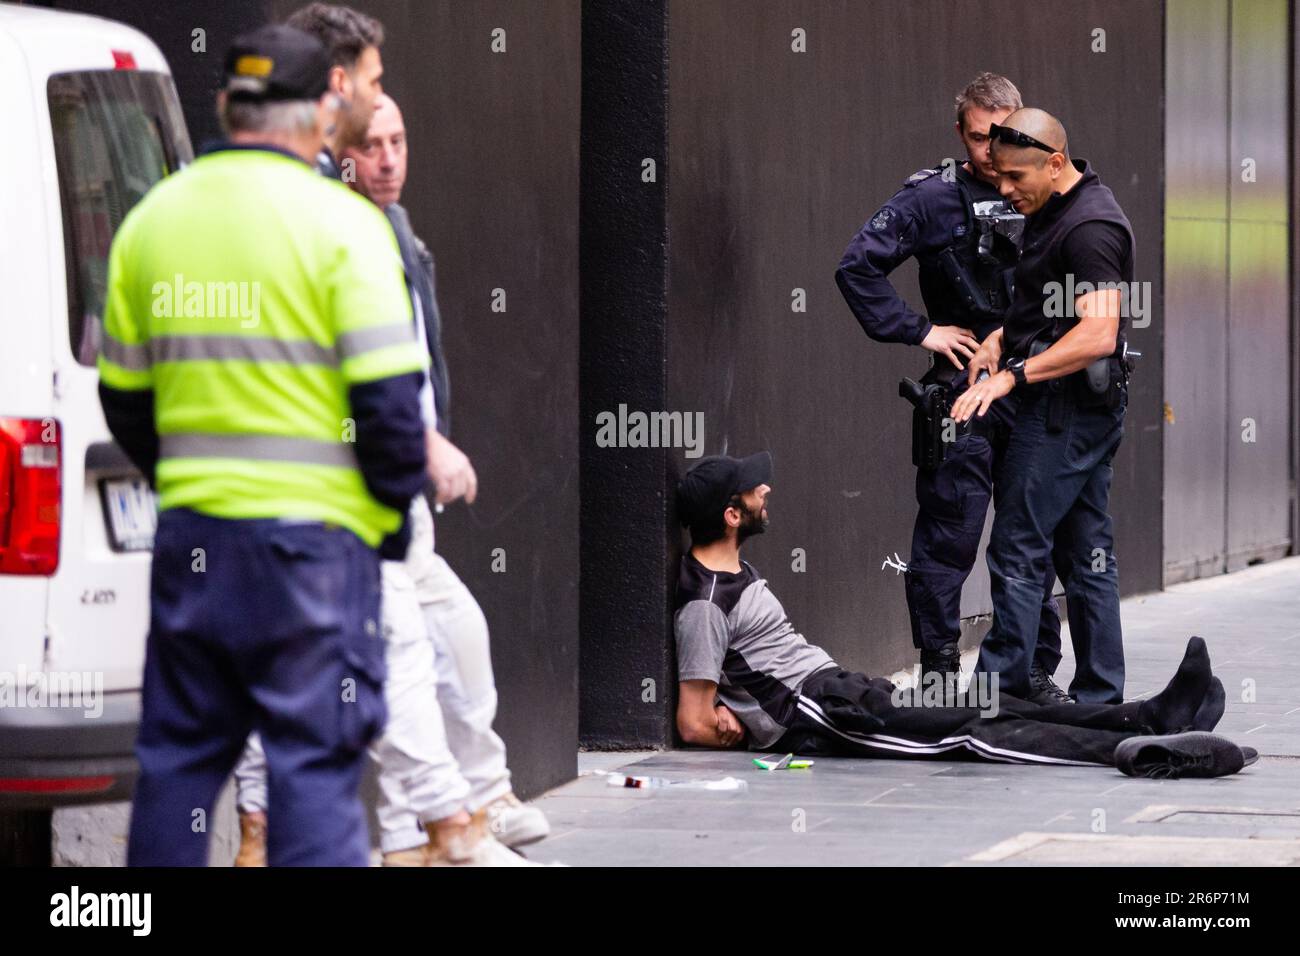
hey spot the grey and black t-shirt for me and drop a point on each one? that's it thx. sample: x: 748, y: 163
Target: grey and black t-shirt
x: 732, y: 630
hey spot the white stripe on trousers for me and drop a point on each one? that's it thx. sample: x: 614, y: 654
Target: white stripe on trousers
x: 902, y: 745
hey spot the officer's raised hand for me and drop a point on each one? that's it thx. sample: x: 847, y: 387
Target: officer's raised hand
x: 952, y: 341
x: 987, y: 358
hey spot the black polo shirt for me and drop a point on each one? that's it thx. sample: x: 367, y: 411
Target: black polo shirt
x: 1078, y: 236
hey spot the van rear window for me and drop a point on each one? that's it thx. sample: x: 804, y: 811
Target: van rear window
x: 116, y: 133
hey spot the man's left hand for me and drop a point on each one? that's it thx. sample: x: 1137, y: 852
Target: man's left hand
x: 450, y: 470
x: 977, y: 399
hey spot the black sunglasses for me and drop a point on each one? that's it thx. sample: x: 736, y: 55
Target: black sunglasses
x: 1013, y: 137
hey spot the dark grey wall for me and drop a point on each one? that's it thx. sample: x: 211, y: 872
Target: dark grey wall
x: 626, y: 576
x: 776, y: 158
x: 493, y: 190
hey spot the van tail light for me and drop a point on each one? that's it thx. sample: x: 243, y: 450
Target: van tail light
x: 30, y: 473
x: 55, y: 784
x: 123, y: 60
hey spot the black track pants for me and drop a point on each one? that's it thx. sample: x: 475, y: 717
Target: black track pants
x: 845, y: 713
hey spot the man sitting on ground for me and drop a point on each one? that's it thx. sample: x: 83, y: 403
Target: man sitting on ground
x: 747, y: 677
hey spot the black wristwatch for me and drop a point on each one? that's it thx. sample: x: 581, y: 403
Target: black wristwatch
x: 1016, y: 367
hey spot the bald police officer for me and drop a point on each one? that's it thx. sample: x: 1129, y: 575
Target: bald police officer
x: 1066, y: 360
x: 947, y: 218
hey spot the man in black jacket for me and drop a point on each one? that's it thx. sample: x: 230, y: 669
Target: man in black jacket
x: 442, y: 769
x: 455, y: 622
x: 426, y: 795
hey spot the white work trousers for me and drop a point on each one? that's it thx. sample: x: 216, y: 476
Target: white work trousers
x: 441, y: 700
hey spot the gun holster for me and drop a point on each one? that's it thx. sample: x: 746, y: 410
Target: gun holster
x: 1107, y: 378
x: 931, y: 408
x: 1102, y: 384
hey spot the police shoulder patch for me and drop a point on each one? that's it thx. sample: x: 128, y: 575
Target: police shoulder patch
x: 920, y: 176
x: 881, y: 219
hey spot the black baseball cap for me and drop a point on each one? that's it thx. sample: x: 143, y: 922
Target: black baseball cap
x: 277, y: 62
x: 705, y: 490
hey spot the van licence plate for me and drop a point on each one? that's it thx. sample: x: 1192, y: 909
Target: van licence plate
x: 131, y: 512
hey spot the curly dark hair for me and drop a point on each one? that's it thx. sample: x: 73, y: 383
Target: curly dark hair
x: 344, y: 31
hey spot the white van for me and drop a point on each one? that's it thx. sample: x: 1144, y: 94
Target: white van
x: 91, y: 122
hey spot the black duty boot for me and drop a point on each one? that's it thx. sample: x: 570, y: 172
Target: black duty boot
x: 1043, y: 690
x: 945, y: 660
x: 941, y: 676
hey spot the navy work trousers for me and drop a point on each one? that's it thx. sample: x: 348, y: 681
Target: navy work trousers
x: 952, y: 503
x: 1051, y: 508
x: 269, y: 626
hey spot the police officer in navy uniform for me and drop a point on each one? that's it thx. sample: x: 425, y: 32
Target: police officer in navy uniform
x: 952, y: 219
x: 1062, y: 351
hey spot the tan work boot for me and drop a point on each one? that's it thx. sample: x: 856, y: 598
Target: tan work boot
x: 252, y: 839
x: 415, y: 856
x: 514, y: 822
